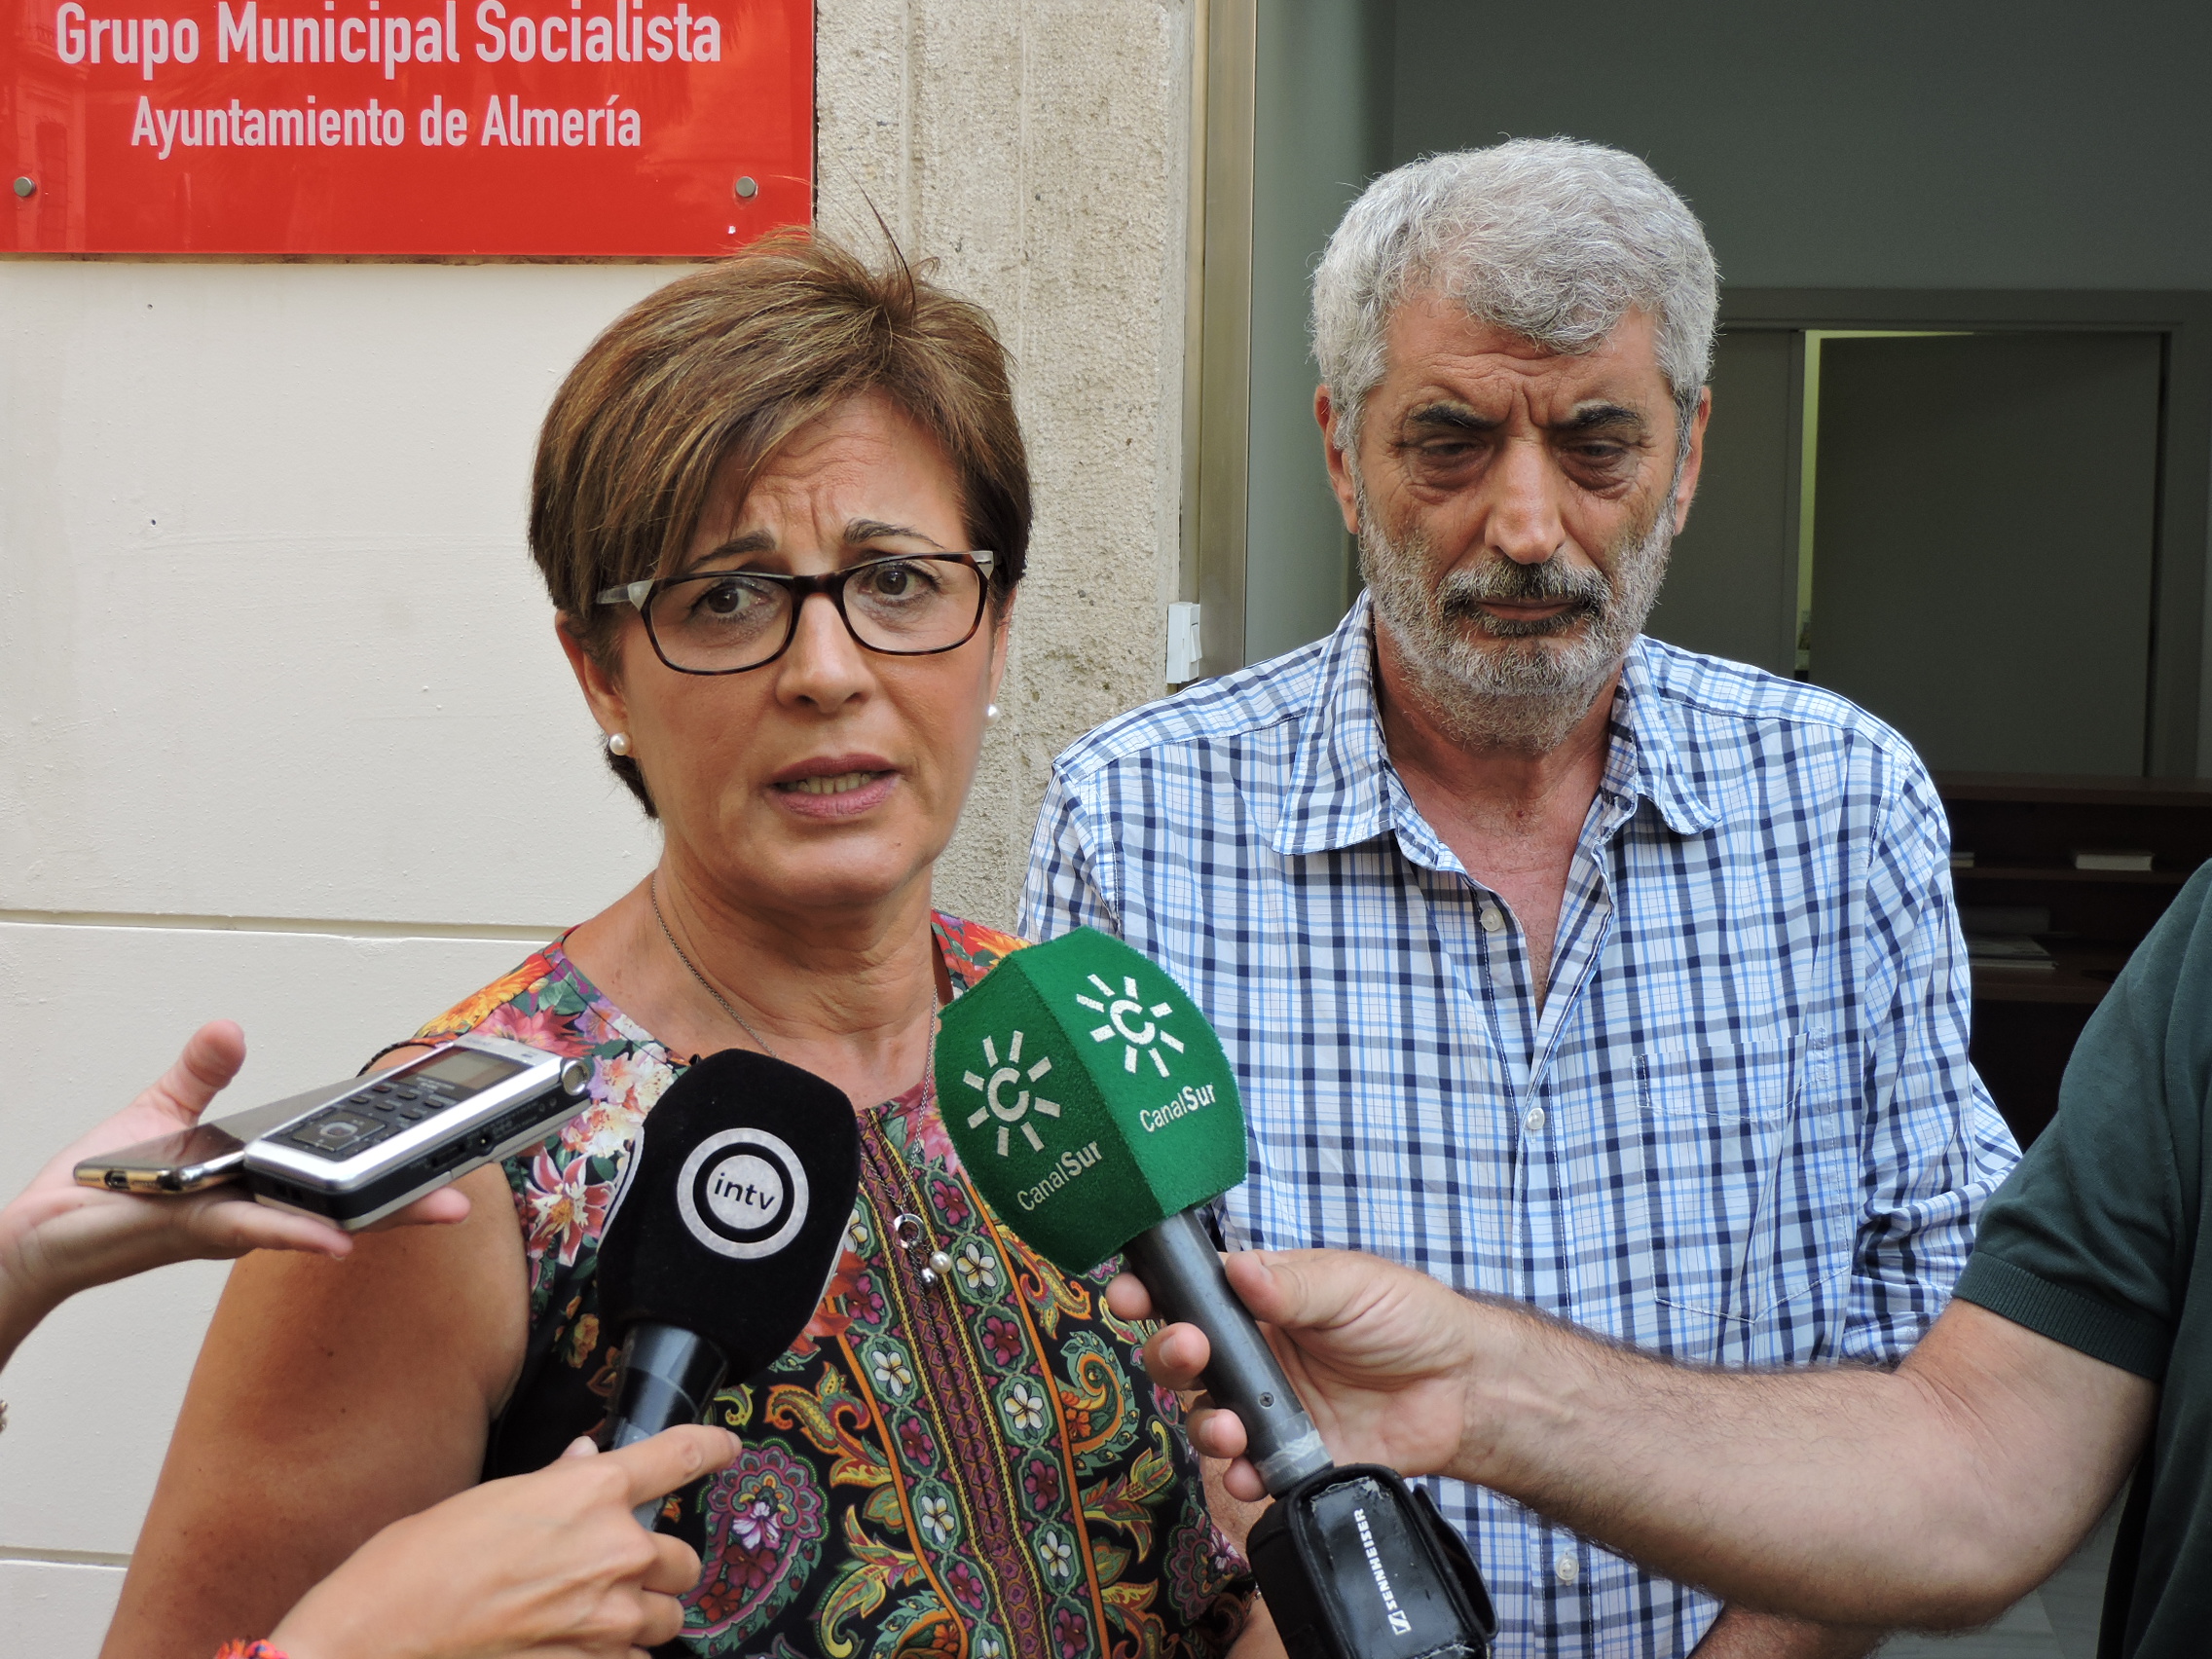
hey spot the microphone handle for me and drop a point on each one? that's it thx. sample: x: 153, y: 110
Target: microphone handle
x: 665, y: 1377
x: 1182, y: 1269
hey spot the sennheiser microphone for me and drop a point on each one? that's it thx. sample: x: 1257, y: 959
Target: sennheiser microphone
x: 1091, y: 1104
x: 732, y: 1209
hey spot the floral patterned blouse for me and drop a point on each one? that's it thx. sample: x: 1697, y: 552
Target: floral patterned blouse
x: 969, y: 1467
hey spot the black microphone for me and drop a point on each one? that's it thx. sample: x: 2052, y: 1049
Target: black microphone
x: 723, y: 1236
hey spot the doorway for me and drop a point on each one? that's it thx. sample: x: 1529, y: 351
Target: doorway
x: 1955, y: 530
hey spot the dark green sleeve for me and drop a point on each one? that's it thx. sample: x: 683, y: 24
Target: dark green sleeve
x: 2089, y: 1241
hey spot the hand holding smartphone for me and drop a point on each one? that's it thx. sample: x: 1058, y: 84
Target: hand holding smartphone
x: 206, y: 1155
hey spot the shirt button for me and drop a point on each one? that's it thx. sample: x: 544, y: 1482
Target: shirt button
x: 1568, y: 1569
x: 1493, y: 919
x: 1533, y: 1123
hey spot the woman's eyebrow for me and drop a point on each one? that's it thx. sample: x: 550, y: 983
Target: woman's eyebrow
x: 859, y: 533
x: 862, y: 531
x: 736, y: 547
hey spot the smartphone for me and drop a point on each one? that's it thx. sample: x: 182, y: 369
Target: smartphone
x: 206, y: 1155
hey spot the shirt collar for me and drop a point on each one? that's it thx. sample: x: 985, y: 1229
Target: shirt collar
x: 1647, y: 760
x: 1343, y: 789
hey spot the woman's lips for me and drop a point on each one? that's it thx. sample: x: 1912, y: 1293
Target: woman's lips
x: 836, y: 794
x: 838, y: 784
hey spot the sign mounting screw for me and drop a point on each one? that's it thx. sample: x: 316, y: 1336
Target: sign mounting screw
x: 747, y: 189
x: 26, y: 186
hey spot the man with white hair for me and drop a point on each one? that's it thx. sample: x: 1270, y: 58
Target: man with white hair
x: 1556, y: 961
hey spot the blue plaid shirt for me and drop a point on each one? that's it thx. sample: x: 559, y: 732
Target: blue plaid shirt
x: 1741, y: 1127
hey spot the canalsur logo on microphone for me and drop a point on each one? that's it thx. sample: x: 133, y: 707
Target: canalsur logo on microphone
x: 1082, y: 1088
x: 1129, y: 1019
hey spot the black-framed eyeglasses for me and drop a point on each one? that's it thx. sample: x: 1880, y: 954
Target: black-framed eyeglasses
x: 728, y: 621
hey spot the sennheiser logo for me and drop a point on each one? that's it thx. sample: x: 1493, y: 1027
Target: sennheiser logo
x: 1004, y: 1096
x: 742, y: 1193
x: 1399, y: 1623
x: 1127, y: 1019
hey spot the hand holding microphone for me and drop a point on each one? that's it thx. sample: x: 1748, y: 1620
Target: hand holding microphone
x: 1390, y: 1359
x: 717, y: 1248
x: 1092, y: 1105
x: 731, y: 1214
x: 547, y: 1563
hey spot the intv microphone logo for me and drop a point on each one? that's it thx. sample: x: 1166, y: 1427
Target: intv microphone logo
x: 743, y: 1193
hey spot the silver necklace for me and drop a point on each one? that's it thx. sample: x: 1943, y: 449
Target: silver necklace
x: 652, y: 894
x: 907, y: 1230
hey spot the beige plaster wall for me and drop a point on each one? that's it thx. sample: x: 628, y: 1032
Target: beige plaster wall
x: 1038, y: 151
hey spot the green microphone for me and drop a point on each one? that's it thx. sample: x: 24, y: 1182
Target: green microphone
x: 1091, y: 1104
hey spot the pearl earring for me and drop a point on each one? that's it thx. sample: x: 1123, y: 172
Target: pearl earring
x: 618, y: 744
x: 991, y: 713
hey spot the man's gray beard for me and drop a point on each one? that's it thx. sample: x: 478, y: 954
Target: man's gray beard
x: 1493, y: 684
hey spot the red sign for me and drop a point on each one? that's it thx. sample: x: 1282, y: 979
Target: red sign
x: 608, y: 127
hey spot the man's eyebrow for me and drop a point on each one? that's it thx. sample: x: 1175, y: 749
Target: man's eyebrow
x: 1452, y: 418
x: 1592, y: 416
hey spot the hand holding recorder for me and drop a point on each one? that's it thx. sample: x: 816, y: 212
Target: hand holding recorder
x: 58, y: 1238
x: 543, y: 1563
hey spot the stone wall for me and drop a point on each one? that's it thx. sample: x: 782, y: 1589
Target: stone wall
x: 1038, y: 153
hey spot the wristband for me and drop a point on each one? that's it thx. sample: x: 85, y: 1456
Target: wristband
x: 240, y: 1649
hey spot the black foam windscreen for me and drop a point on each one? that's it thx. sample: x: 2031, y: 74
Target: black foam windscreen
x: 732, y: 1208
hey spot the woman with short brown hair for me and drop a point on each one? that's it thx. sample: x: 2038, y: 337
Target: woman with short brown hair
x: 782, y: 506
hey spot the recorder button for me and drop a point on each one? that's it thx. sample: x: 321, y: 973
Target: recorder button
x: 338, y: 1131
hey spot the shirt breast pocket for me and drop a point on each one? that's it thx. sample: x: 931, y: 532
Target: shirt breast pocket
x: 1731, y: 1210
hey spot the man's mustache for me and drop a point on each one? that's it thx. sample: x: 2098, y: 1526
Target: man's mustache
x: 1586, y: 594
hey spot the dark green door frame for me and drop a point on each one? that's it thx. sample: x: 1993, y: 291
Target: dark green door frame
x: 2178, y: 720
